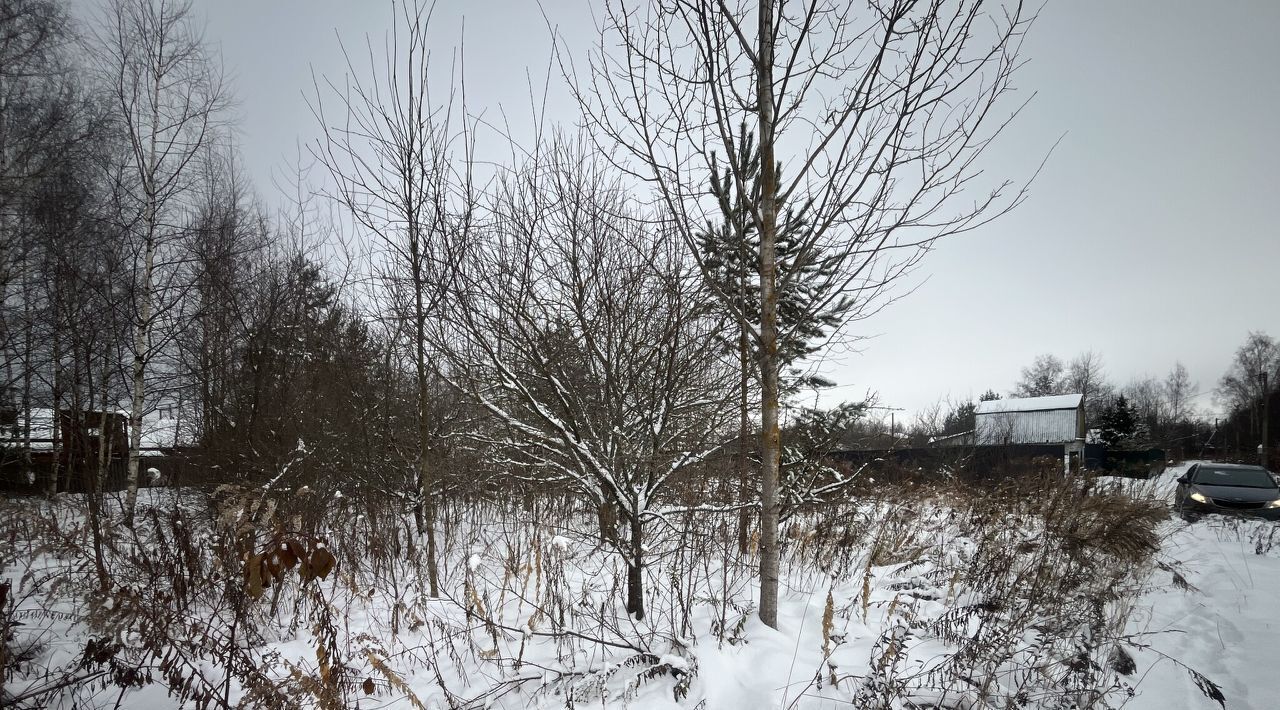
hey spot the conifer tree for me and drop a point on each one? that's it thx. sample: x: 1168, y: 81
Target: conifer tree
x: 730, y: 251
x: 1117, y: 424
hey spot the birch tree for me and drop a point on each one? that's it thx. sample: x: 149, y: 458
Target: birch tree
x: 1087, y: 376
x: 38, y: 112
x: 167, y: 97
x: 869, y: 117
x: 1178, y: 391
x: 50, y: 144
x: 40, y: 125
x: 1240, y: 387
x: 1042, y: 378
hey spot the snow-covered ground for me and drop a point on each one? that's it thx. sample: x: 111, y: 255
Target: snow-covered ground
x: 905, y: 603
x: 1220, y: 615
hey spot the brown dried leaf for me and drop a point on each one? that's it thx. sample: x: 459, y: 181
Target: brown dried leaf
x: 288, y: 559
x: 253, y: 576
x: 322, y: 562
x: 368, y: 686
x: 300, y: 553
x: 274, y: 567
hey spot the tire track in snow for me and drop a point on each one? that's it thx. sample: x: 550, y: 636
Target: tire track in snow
x: 1227, y: 627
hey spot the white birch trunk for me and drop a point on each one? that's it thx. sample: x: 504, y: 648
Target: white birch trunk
x: 142, y: 327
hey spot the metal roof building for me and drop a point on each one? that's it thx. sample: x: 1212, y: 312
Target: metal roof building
x: 1057, y: 419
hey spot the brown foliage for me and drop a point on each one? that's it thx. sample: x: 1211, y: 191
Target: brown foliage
x: 280, y: 555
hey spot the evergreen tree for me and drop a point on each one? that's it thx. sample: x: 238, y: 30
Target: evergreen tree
x: 730, y: 252
x: 960, y: 419
x: 1117, y: 424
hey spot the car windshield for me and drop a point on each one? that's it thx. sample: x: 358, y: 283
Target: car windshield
x: 1241, y: 477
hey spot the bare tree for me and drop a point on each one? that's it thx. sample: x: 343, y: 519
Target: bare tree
x: 1178, y: 390
x: 1042, y: 378
x: 928, y: 423
x: 391, y: 150
x: 1249, y: 381
x: 44, y: 127
x: 38, y: 111
x: 1241, y: 387
x: 583, y: 329
x: 869, y: 122
x: 1087, y: 376
x: 167, y: 95
x: 1179, y: 427
x: 1146, y: 401
x: 227, y: 245
x: 68, y: 284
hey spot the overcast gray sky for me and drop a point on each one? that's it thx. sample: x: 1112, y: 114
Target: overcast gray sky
x: 1149, y: 237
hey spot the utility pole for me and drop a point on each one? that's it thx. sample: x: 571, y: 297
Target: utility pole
x: 893, y: 424
x: 1209, y: 441
x: 1266, y: 416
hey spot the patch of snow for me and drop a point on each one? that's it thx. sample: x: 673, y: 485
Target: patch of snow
x: 677, y: 662
x: 1029, y: 404
x: 1218, y: 616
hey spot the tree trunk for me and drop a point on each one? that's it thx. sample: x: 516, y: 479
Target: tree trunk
x: 608, y: 519
x: 98, y: 476
x: 424, y: 512
x: 770, y: 435
x: 635, y: 570
x: 1266, y: 420
x: 142, y: 330
x: 744, y: 424
x: 28, y: 355
x: 55, y: 431
x: 419, y: 516
x: 141, y: 335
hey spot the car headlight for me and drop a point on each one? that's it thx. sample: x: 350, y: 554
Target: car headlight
x: 1274, y: 504
x: 1199, y: 497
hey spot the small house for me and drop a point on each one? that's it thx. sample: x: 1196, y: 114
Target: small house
x: 1056, y: 420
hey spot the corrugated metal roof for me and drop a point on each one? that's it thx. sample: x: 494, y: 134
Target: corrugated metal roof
x: 1030, y: 404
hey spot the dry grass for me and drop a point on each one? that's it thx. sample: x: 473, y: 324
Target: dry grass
x: 1035, y: 573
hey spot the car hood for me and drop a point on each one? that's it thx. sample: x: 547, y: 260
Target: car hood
x: 1239, y: 494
